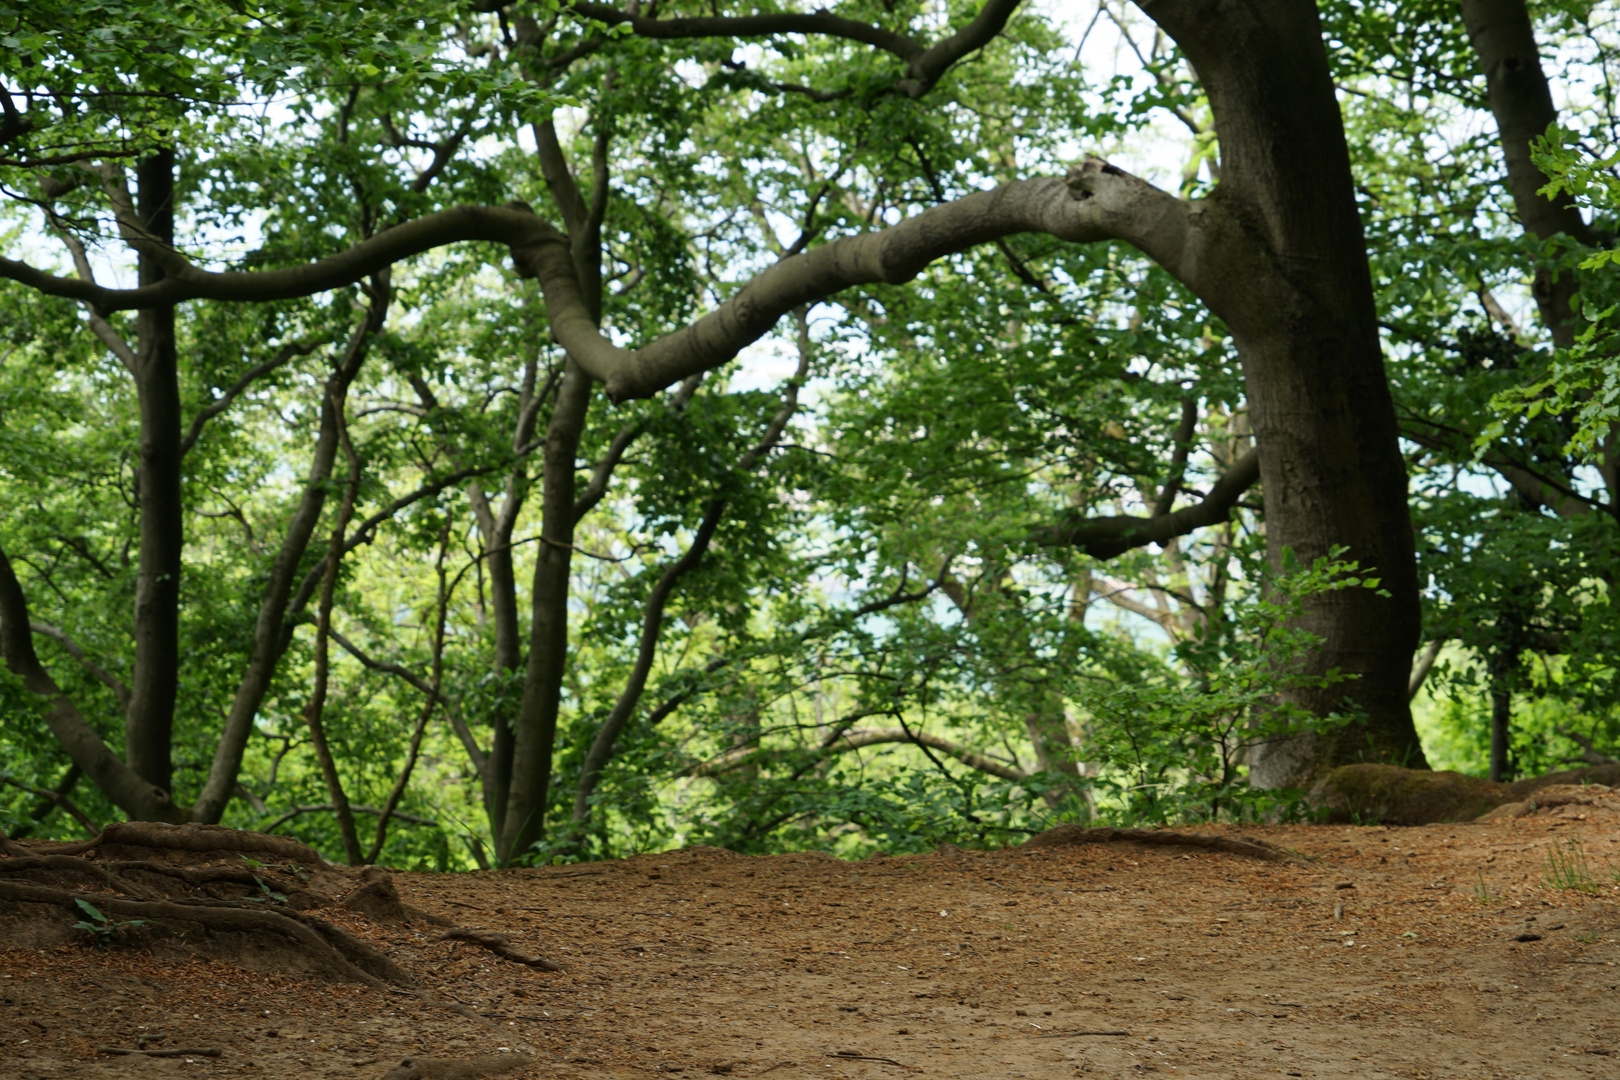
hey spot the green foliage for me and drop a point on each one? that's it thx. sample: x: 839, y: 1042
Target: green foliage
x: 1171, y: 746
x: 1582, y: 383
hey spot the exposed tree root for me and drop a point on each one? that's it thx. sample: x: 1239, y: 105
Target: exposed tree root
x: 254, y: 935
x: 145, y: 880
x: 377, y: 899
x: 246, y: 914
x: 501, y: 946
x: 452, y: 1069
x: 190, y: 837
x: 1063, y: 835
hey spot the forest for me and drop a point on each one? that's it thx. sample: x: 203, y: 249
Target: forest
x: 462, y: 434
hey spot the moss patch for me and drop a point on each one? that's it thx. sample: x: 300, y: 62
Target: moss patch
x: 1390, y: 795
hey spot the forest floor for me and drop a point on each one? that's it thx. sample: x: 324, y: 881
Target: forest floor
x: 1438, y: 951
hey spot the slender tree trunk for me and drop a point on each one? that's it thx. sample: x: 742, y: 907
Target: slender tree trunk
x: 1521, y: 101
x: 496, y: 528
x: 523, y: 823
x: 1501, y: 734
x: 271, y: 631
x: 154, y: 682
x: 508, y: 663
x: 1307, y: 334
x: 430, y: 701
x: 315, y: 710
x: 528, y: 791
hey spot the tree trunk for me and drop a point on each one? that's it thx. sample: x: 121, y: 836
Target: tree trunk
x: 496, y: 530
x: 1501, y: 735
x: 523, y: 821
x: 1521, y: 102
x: 154, y: 681
x: 1307, y: 334
x: 271, y: 631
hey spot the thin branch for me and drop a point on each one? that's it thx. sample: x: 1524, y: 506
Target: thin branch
x: 100, y: 674
x: 251, y: 375
x: 1425, y: 664
x: 58, y: 799
x: 1178, y: 456
x: 326, y: 808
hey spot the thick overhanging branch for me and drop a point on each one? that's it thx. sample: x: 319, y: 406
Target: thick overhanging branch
x: 820, y: 23
x: 1095, y: 202
x: 855, y: 739
x: 924, y: 64
x: 1106, y: 537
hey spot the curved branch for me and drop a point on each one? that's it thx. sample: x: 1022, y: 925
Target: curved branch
x: 223, y: 402
x: 1096, y: 201
x: 854, y: 740
x: 821, y: 22
x: 100, y: 674
x: 925, y: 65
x: 512, y: 224
x: 927, y: 69
x: 1106, y: 537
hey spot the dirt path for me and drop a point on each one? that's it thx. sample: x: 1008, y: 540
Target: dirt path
x: 1425, y: 952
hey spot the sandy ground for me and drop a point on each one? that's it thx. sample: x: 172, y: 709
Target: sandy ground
x: 1440, y: 951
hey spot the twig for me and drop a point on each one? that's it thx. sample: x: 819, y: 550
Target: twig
x: 212, y: 1051
x: 863, y: 1057
x: 1070, y: 1034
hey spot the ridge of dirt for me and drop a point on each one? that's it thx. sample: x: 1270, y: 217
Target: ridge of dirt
x: 1430, y: 951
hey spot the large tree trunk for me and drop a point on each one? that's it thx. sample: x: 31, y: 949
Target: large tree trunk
x: 1306, y: 330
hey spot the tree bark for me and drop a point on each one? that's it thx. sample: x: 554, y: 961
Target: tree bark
x: 155, y: 677
x: 315, y: 709
x: 271, y: 631
x: 522, y: 821
x: 1521, y: 102
x: 74, y: 734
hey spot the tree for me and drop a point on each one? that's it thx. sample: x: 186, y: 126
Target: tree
x: 752, y: 166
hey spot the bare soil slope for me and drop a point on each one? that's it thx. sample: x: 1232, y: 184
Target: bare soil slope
x: 1436, y: 951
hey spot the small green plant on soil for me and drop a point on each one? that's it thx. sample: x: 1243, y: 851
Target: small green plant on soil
x: 102, y: 930
x: 1482, y: 891
x: 1567, y: 868
x: 267, y: 894
x: 287, y: 868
